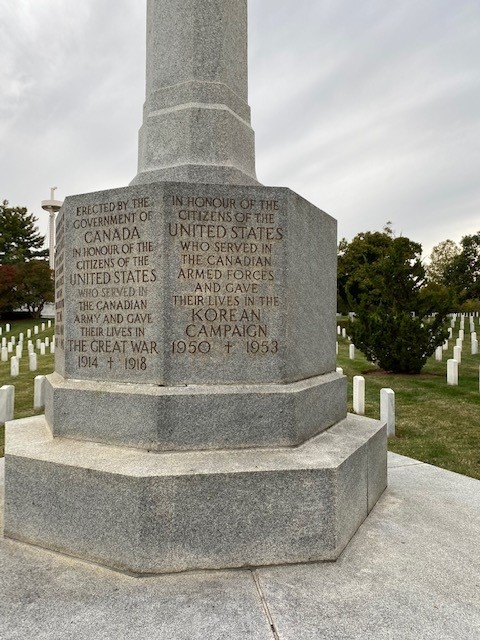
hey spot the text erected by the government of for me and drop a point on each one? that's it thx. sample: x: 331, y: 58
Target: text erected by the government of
x: 111, y: 283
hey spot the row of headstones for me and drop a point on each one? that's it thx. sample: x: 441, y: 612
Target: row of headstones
x: 387, y: 402
x: 452, y: 363
x: 7, y: 398
x: 457, y: 349
x: 36, y: 329
x: 41, y: 346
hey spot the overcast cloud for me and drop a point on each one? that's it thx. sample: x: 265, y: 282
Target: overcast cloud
x: 371, y: 109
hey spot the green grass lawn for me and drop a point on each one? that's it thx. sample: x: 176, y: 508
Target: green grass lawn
x: 436, y: 423
x: 24, y: 382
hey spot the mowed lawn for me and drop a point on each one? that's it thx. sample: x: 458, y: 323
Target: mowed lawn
x: 24, y: 382
x: 436, y: 423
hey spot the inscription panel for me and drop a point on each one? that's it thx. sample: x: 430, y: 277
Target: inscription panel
x: 175, y: 284
x: 113, y: 259
x: 225, y: 301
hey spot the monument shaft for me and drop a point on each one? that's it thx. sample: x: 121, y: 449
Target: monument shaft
x: 196, y: 116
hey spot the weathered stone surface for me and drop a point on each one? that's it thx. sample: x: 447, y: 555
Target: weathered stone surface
x: 196, y: 117
x: 167, y: 512
x: 177, y: 283
x: 195, y: 416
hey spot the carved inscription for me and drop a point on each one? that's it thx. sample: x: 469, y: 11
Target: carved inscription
x: 112, y: 276
x: 226, y: 257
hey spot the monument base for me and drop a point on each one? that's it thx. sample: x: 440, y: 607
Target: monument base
x: 147, y: 512
x: 194, y: 417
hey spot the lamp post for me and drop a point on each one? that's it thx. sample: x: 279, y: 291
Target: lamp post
x: 53, y: 207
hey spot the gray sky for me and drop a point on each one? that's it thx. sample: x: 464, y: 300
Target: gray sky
x: 369, y: 109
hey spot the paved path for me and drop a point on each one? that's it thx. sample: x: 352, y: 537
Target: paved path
x: 411, y: 572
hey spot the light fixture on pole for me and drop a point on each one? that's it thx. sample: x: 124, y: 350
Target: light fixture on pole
x: 53, y: 207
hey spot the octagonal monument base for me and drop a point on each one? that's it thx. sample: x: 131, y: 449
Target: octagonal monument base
x: 147, y: 512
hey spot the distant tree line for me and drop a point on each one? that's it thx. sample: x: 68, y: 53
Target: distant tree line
x: 26, y: 280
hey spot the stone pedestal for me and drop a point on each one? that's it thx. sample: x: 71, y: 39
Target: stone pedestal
x: 157, y: 513
x: 195, y: 419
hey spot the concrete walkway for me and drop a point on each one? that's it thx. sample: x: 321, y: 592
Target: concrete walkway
x: 411, y: 572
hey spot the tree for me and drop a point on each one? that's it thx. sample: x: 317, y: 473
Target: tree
x: 25, y: 277
x: 8, y: 284
x: 354, y: 261
x: 441, y: 260
x: 398, y: 321
x: 20, y: 240
x: 463, y: 272
x: 34, y: 286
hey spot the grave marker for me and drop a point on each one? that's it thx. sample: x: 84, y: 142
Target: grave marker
x: 14, y: 367
x: 387, y: 409
x: 452, y: 372
x: 7, y: 403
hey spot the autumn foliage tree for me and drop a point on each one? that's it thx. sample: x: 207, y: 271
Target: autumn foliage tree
x: 25, y: 276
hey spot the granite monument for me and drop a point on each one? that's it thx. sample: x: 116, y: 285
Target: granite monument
x: 195, y: 418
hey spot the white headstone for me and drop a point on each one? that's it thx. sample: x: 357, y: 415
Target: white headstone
x: 35, y: 329
x: 7, y: 328
x: 339, y: 330
x: 47, y: 341
x: 340, y: 371
x: 10, y: 347
x: 452, y: 372
x: 4, y: 354
x: 29, y: 333
x: 439, y: 354
x: 445, y: 345
x: 351, y: 352
x: 359, y: 395
x: 42, y: 348
x: 457, y: 354
x: 387, y: 409
x: 49, y: 324
x: 4, y: 342
x: 32, y: 361
x: 14, y: 367
x: 344, y: 333
x: 52, y: 347
x: 461, y: 334
x: 39, y: 392
x: 7, y: 403
x: 38, y: 343
x: 474, y: 347
x: 18, y: 351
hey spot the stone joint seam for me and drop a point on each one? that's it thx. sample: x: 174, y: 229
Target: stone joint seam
x: 199, y: 105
